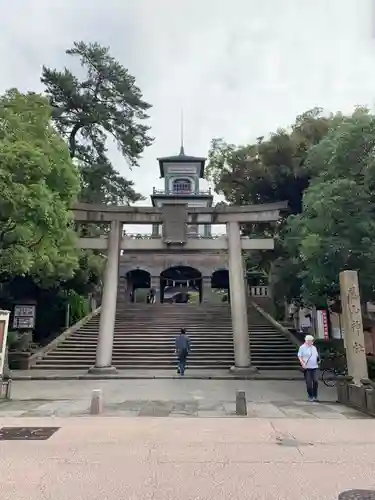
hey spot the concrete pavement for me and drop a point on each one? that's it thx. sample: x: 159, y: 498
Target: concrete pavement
x: 190, y: 459
x: 174, y: 398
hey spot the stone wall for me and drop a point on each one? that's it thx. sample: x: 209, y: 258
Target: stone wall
x: 156, y: 262
x: 361, y: 397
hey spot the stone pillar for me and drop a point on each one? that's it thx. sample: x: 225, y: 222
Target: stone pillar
x: 353, y: 326
x: 104, y: 348
x: 206, y: 289
x: 238, y: 301
x: 155, y: 284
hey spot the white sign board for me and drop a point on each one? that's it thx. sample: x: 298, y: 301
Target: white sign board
x: 24, y: 317
x: 4, y: 322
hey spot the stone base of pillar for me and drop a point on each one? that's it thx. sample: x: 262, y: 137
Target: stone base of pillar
x: 102, y: 370
x: 247, y: 371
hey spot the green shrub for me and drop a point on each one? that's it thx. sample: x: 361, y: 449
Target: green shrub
x: 330, y: 346
x: 12, y: 339
x: 79, y: 307
x: 326, y: 347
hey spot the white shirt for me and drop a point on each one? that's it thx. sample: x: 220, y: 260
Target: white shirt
x: 309, y: 355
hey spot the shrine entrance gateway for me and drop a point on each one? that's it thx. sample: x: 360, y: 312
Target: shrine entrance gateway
x: 175, y: 219
x: 178, y: 281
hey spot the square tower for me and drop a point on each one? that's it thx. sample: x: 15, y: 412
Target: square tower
x: 181, y: 174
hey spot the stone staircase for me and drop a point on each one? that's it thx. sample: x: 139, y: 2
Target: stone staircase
x: 145, y: 335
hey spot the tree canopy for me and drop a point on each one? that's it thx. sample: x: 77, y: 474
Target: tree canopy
x: 105, y: 103
x: 39, y: 184
x: 54, y: 150
x: 324, y: 167
x: 336, y: 229
x: 270, y: 169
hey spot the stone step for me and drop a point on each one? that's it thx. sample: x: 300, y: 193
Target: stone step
x: 171, y: 338
x: 197, y: 345
x: 197, y: 348
x: 161, y: 366
x: 172, y: 333
x: 152, y: 360
x: 165, y: 360
x: 208, y: 325
x: 172, y: 330
x: 143, y: 359
x: 144, y: 338
x: 172, y: 366
x: 265, y: 347
x: 168, y: 350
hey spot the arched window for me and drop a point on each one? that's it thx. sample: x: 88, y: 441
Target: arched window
x: 182, y: 186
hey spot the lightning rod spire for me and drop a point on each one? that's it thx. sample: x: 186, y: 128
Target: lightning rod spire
x: 182, y: 150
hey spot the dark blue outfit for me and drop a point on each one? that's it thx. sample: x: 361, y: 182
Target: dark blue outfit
x: 182, y: 351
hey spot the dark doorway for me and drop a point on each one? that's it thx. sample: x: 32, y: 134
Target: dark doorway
x: 179, y: 282
x: 138, y: 279
x: 220, y: 282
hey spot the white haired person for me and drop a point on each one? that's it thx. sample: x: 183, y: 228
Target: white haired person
x: 309, y: 358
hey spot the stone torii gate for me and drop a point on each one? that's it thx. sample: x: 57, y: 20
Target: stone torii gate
x: 174, y: 219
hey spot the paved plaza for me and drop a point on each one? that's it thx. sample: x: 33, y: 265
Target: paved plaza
x: 91, y: 458
x: 287, y: 449
x: 172, y: 398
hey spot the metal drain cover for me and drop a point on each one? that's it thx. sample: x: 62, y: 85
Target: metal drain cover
x: 27, y: 433
x: 357, y: 495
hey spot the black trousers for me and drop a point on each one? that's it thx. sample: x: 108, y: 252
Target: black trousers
x: 181, y: 364
x: 311, y: 379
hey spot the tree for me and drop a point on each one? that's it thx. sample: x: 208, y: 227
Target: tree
x: 336, y: 230
x: 267, y: 171
x: 88, y: 275
x: 101, y: 184
x: 324, y: 168
x: 107, y: 102
x: 270, y: 170
x: 39, y: 184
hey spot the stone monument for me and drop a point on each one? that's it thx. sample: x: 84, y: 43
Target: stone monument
x: 353, y: 326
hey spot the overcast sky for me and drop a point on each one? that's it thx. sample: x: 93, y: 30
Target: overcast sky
x: 239, y: 68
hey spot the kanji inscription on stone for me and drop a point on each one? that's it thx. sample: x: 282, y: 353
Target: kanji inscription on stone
x: 353, y: 326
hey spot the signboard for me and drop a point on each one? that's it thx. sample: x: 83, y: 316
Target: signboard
x: 24, y: 317
x: 322, y: 324
x: 181, y: 168
x: 4, y: 321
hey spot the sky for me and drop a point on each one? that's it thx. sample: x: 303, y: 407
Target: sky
x: 239, y: 69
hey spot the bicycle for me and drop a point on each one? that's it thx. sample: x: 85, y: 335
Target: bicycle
x: 329, y: 375
x: 334, y: 365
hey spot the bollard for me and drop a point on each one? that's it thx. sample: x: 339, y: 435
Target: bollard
x: 96, y: 406
x: 241, y: 406
x: 8, y: 392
